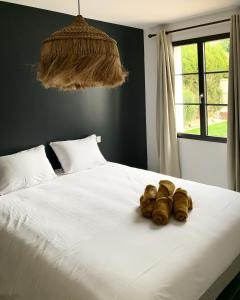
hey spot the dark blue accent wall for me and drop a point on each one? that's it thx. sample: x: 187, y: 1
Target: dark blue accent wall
x: 31, y: 115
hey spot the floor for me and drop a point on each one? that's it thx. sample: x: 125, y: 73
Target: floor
x: 232, y: 291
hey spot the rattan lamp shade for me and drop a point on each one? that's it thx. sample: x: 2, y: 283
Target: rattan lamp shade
x: 80, y: 56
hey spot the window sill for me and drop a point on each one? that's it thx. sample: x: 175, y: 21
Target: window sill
x: 202, y: 138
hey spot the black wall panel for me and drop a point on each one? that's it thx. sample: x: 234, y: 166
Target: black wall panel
x: 31, y: 115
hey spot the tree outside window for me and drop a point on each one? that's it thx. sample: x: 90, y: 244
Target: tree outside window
x: 201, y: 86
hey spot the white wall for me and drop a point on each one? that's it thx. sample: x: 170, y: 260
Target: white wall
x: 200, y: 161
x: 204, y: 161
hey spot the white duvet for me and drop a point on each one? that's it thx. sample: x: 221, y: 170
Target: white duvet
x: 81, y: 237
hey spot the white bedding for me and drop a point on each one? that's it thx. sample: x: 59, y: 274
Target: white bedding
x: 80, y: 237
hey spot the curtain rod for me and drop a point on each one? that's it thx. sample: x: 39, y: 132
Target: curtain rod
x: 192, y: 27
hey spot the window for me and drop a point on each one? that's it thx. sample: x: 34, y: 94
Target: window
x: 201, y: 87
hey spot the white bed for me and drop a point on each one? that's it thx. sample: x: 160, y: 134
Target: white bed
x: 81, y: 237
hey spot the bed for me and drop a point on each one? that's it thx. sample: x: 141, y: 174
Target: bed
x: 81, y: 236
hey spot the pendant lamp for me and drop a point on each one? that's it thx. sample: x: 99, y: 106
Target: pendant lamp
x: 80, y: 56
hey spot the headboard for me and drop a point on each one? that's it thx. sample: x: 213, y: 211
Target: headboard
x: 31, y: 115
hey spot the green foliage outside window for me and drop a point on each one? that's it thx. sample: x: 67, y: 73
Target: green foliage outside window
x: 216, y: 60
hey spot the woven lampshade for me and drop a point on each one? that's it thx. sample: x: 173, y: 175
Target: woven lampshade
x: 80, y: 56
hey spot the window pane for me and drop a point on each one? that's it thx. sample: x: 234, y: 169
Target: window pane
x: 217, y: 55
x: 217, y: 88
x: 185, y: 59
x: 217, y: 121
x: 186, y: 89
x: 188, y: 119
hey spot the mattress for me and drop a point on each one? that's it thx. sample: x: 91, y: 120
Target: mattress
x: 222, y: 281
x: 81, y: 236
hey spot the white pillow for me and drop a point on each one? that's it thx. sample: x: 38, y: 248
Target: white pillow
x: 24, y: 169
x: 78, y: 155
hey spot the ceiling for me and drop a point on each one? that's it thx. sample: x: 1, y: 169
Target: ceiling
x: 135, y: 13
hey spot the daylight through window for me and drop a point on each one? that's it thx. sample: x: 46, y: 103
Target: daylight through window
x: 201, y: 87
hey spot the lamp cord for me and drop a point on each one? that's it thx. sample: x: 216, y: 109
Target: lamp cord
x: 79, y: 7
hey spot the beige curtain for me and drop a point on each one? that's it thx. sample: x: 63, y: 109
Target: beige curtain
x: 233, y: 143
x: 166, y: 126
